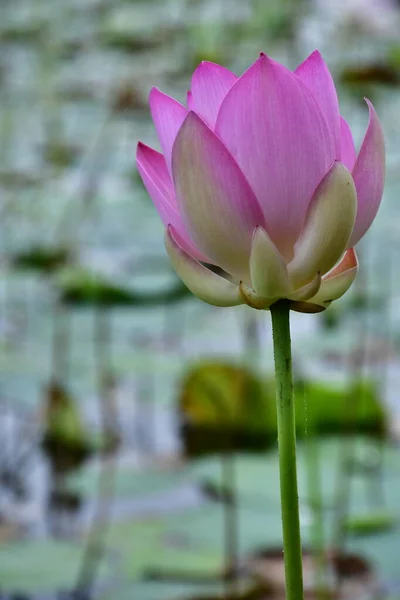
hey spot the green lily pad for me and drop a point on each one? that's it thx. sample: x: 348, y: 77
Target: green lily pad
x: 41, y: 566
x: 228, y: 407
x: 29, y: 31
x: 79, y: 286
x: 41, y: 258
x: 370, y: 524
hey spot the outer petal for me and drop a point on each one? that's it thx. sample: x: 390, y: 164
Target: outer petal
x: 307, y: 307
x: 315, y: 74
x: 157, y: 181
x: 327, y: 228
x: 274, y: 128
x: 202, y: 282
x: 217, y: 204
x: 369, y: 176
x: 168, y: 115
x: 338, y: 281
x: 268, y: 271
x: 348, y: 261
x: 307, y: 291
x: 348, y: 151
x: 210, y: 84
x: 250, y: 298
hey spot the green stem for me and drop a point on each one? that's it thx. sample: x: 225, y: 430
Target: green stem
x: 287, y: 451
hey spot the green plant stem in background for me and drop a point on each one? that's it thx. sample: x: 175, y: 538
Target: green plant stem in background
x: 287, y: 451
x: 316, y: 502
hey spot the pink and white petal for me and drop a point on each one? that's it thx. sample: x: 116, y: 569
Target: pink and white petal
x: 156, y: 178
x: 348, y: 261
x: 334, y: 288
x: 338, y: 281
x: 315, y: 74
x: 203, y: 283
x: 328, y: 226
x: 369, y: 176
x: 273, y: 127
x: 168, y: 115
x: 217, y: 205
x: 268, y: 271
x: 210, y: 84
x: 157, y: 181
x: 307, y: 291
x: 348, y: 150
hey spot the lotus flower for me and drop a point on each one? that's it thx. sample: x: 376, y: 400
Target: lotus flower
x: 259, y: 186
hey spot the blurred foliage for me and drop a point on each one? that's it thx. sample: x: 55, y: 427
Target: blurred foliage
x: 267, y: 564
x: 127, y: 97
x: 41, y: 566
x: 370, y: 524
x: 27, y: 32
x: 366, y: 80
x: 372, y: 73
x: 16, y: 179
x: 393, y: 56
x: 207, y: 43
x: 330, y: 319
x: 124, y: 37
x: 276, y: 19
x: 225, y: 406
x: 60, y: 154
x: 80, y: 286
x: 65, y: 440
x: 41, y: 258
x: 257, y: 592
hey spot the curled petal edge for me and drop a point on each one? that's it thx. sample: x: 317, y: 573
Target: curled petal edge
x: 251, y: 298
x: 334, y: 285
x: 307, y: 291
x: 203, y: 283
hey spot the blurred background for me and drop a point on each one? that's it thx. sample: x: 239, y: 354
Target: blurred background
x: 137, y: 425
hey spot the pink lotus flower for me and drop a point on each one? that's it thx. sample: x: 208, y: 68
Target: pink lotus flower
x: 259, y: 177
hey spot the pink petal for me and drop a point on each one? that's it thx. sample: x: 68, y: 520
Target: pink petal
x: 327, y: 227
x: 217, y: 205
x: 347, y: 151
x: 333, y: 285
x: 273, y: 127
x: 338, y: 280
x: 157, y: 181
x: 168, y: 115
x: 202, y: 282
x: 210, y: 84
x: 316, y: 76
x: 348, y: 261
x: 369, y: 176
